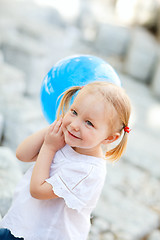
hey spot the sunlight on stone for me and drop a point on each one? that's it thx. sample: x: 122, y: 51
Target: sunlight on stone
x: 134, y: 10
x: 125, y: 9
x: 68, y: 9
x: 153, y: 119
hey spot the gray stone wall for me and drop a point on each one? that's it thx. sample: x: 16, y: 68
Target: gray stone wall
x: 33, y: 38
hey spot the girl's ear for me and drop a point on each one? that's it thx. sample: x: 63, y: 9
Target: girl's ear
x: 111, y: 138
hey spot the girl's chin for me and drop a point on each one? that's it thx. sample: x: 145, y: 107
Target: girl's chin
x: 71, y: 143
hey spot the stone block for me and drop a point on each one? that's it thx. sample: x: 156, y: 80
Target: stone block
x: 23, y: 116
x: 112, y: 40
x: 144, y: 153
x: 155, y: 235
x: 1, y: 57
x: 145, y: 107
x: 32, y: 13
x: 135, y: 183
x: 108, y: 236
x: 126, y: 215
x: 10, y: 174
x: 143, y: 141
x: 138, y: 12
x: 35, y: 55
x: 142, y: 56
x: 30, y: 57
x: 155, y: 85
x: 1, y: 126
x: 101, y: 225
x: 12, y: 81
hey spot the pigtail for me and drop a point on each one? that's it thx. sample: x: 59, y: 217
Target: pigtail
x: 116, y: 153
x: 65, y: 101
x: 122, y: 105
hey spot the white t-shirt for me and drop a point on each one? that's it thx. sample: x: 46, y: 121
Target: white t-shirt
x: 78, y: 180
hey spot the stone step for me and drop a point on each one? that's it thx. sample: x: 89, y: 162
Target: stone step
x: 1, y: 126
x: 23, y: 116
x: 125, y: 216
x: 10, y: 174
x: 142, y: 55
x: 12, y: 81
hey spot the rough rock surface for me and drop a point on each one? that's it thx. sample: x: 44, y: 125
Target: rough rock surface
x: 30, y: 44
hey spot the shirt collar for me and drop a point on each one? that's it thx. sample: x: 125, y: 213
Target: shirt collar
x: 71, y: 154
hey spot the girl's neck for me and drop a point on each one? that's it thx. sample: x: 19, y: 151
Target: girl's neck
x: 96, y: 152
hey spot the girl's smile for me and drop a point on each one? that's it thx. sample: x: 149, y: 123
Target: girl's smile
x: 72, y: 135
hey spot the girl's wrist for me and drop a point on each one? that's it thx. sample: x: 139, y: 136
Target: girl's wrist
x: 49, y: 148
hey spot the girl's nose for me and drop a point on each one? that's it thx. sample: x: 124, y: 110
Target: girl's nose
x: 75, y: 125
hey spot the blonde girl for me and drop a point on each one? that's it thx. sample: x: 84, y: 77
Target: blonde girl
x: 56, y: 196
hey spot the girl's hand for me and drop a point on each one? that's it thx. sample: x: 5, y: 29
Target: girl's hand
x: 54, y: 138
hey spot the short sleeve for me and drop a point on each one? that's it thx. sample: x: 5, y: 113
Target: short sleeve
x: 79, y: 185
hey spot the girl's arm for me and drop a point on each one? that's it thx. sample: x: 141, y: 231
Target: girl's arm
x: 28, y: 150
x: 53, y: 141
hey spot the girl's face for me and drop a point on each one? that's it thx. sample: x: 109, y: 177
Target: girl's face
x: 84, y: 126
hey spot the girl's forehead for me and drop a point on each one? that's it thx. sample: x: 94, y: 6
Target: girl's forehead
x: 90, y: 103
x: 88, y: 98
x: 94, y: 104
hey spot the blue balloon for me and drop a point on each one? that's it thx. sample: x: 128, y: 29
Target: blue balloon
x: 72, y: 71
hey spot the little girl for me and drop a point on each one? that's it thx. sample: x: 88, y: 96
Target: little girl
x: 56, y: 196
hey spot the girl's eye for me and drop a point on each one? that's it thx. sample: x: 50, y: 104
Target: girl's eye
x: 89, y: 123
x: 73, y: 112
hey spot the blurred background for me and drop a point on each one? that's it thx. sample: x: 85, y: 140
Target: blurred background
x: 34, y: 35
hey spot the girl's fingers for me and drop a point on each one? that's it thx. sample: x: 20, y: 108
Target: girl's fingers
x: 60, y: 131
x: 53, y: 124
x: 57, y: 126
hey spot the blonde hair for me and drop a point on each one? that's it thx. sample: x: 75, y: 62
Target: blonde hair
x: 112, y: 94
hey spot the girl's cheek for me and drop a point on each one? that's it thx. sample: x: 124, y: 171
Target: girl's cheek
x: 64, y: 123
